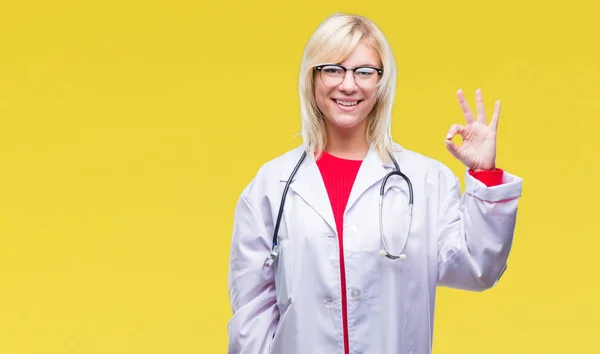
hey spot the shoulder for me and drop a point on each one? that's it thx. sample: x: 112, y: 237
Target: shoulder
x: 274, y: 171
x: 425, y: 168
x: 417, y: 161
x: 281, y: 166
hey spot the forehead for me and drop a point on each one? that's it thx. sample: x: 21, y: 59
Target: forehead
x: 363, y: 54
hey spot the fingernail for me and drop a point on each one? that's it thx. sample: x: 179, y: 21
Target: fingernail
x: 448, y: 136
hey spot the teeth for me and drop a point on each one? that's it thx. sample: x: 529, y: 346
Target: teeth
x: 347, y: 103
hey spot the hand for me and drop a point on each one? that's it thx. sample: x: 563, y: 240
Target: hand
x: 478, y: 149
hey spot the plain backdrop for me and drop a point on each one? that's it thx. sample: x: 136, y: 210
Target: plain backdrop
x: 129, y: 128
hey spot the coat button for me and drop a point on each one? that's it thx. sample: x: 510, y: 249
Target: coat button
x: 355, y: 293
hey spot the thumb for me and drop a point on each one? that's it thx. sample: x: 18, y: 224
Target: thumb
x: 452, y: 148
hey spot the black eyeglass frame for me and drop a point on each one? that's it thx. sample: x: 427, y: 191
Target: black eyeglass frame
x: 379, y: 71
x: 319, y: 68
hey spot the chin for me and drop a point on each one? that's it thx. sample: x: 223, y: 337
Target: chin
x: 345, y: 121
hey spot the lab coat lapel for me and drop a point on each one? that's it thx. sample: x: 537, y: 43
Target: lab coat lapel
x: 372, y: 170
x: 308, y: 184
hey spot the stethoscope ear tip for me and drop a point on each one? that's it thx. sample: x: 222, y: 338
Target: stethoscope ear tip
x: 382, y: 253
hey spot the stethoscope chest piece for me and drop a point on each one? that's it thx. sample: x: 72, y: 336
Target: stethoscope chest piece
x: 272, y: 256
x: 401, y: 257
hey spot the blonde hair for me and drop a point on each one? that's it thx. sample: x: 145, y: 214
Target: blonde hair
x: 332, y: 42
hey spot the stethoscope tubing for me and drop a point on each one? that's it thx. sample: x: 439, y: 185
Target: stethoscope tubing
x: 384, y: 252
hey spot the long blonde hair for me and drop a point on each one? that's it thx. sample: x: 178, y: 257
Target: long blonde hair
x: 332, y: 42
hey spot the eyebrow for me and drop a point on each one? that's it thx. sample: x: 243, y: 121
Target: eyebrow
x: 364, y: 64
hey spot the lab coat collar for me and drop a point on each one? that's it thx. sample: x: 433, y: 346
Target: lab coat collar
x: 372, y: 170
x: 308, y: 182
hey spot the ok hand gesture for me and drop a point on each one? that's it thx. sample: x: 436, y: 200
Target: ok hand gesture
x: 478, y: 149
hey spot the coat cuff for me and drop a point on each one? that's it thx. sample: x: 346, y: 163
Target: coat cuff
x: 510, y: 187
x: 488, y: 177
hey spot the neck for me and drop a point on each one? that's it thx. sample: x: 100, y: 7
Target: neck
x: 348, y: 144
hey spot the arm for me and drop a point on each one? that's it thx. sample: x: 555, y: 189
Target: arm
x: 251, y: 283
x: 475, y: 230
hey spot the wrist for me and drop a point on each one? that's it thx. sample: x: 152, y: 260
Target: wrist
x: 483, y: 169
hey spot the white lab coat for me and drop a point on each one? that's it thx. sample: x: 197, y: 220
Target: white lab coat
x: 294, y: 307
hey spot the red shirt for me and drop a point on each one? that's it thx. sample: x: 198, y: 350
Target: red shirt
x: 339, y: 175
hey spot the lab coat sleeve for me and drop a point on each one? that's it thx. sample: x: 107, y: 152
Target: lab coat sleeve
x: 251, y: 283
x: 475, y: 230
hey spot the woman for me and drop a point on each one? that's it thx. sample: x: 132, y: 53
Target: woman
x: 328, y: 290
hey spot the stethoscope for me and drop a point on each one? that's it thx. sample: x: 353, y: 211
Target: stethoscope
x: 384, y: 251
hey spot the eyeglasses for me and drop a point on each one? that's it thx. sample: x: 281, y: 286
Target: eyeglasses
x: 365, y: 77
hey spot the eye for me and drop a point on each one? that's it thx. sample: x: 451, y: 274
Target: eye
x: 332, y: 70
x: 365, y: 72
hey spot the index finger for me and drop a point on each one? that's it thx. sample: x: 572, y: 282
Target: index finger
x: 495, y: 116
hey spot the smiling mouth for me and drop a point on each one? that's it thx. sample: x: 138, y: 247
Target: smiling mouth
x: 347, y: 103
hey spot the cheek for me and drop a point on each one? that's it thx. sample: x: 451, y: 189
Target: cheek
x: 370, y: 102
x: 321, y: 96
x: 369, y: 105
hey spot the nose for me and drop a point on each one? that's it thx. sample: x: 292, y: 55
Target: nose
x: 348, y: 85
